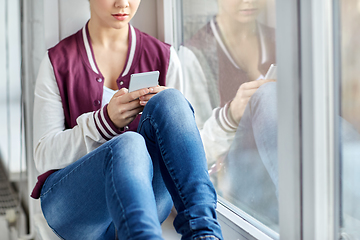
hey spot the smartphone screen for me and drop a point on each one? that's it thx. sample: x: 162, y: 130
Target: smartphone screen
x: 143, y: 80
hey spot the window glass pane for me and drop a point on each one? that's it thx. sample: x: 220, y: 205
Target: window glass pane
x: 10, y: 86
x: 228, y: 47
x: 350, y: 123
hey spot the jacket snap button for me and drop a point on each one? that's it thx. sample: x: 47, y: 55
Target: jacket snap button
x: 97, y: 102
x: 126, y: 128
x: 99, y: 79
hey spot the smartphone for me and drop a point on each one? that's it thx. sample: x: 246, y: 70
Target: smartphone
x: 143, y: 80
x: 271, y: 73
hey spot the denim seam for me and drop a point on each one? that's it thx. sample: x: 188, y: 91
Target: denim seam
x: 153, y: 123
x: 183, y: 199
x: 117, y: 194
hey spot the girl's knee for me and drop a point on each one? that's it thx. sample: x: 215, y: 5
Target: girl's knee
x: 129, y: 150
x: 170, y: 93
x: 267, y: 89
x: 129, y: 140
x: 129, y: 145
x: 266, y: 93
x: 171, y: 99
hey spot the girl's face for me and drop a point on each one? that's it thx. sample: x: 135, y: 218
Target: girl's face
x: 242, y: 11
x: 113, y: 13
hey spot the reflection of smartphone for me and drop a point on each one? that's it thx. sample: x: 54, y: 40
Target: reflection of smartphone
x: 271, y: 73
x: 143, y: 80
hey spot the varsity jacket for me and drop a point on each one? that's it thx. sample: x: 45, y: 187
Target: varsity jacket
x: 69, y: 120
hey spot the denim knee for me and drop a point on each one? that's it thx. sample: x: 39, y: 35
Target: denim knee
x: 265, y: 91
x: 127, y: 147
x: 127, y: 140
x: 266, y: 94
x: 170, y: 99
x: 169, y: 93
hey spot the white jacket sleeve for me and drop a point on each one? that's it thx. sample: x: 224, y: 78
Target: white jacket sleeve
x: 216, y: 130
x: 174, y: 73
x: 55, y: 147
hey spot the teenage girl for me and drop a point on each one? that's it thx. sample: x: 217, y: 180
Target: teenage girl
x: 114, y: 162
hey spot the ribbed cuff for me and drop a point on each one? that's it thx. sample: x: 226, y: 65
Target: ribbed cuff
x: 229, y: 117
x: 104, y: 125
x: 224, y: 120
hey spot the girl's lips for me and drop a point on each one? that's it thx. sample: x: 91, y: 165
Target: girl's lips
x: 249, y: 11
x: 120, y: 16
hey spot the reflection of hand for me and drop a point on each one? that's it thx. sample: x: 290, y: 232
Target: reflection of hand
x: 124, y: 106
x: 242, y: 97
x: 152, y: 91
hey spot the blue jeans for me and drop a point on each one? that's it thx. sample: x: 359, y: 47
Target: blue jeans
x: 125, y: 188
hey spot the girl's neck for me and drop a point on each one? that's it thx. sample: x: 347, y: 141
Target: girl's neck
x: 107, y: 37
x: 235, y: 30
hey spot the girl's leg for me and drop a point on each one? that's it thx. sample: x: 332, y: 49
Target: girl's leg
x: 108, y: 188
x: 249, y: 174
x: 173, y: 140
x: 263, y: 114
x: 257, y: 131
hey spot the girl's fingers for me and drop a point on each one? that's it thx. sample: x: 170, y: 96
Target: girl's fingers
x: 157, y: 89
x: 126, y: 107
x: 124, y: 95
x: 146, y: 97
x: 152, y: 92
x: 121, y: 92
x: 132, y: 113
x: 255, y: 84
x: 249, y: 93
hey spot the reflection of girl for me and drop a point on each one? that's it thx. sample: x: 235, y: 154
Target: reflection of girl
x: 220, y: 63
x: 224, y: 64
x: 100, y: 178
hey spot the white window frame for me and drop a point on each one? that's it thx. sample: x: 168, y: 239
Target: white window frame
x: 169, y: 31
x: 165, y: 28
x: 321, y: 162
x: 289, y: 112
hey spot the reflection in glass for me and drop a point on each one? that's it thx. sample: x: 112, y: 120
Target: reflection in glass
x: 350, y: 112
x: 228, y: 48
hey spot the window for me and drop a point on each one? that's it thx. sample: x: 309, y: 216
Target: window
x: 10, y: 87
x: 349, y: 127
x: 225, y: 44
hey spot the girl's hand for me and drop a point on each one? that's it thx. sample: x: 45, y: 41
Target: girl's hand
x: 124, y: 106
x: 242, y: 97
x: 152, y: 92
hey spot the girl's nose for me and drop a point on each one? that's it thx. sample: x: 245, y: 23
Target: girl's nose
x: 121, y: 3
